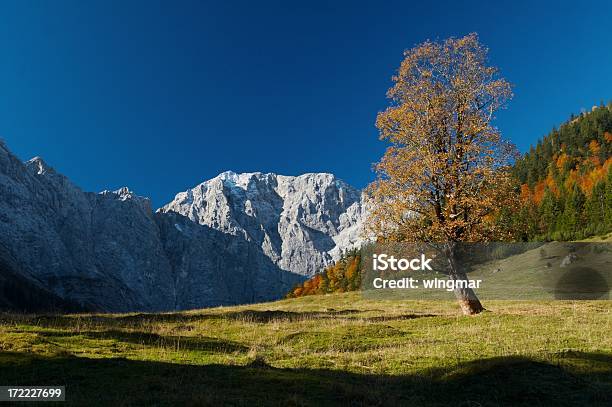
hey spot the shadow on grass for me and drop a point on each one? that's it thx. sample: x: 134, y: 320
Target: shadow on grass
x: 135, y: 320
x: 402, y: 317
x: 287, y: 316
x: 487, y: 382
x: 103, y: 320
x: 264, y: 317
x: 194, y: 343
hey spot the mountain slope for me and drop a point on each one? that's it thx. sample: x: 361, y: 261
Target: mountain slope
x: 566, y: 180
x: 301, y: 223
x: 234, y: 239
x: 110, y: 252
x: 26, y: 294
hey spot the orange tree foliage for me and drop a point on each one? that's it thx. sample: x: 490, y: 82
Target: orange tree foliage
x: 342, y: 276
x: 447, y: 169
x: 445, y: 177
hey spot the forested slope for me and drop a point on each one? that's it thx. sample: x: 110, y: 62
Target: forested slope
x: 566, y: 180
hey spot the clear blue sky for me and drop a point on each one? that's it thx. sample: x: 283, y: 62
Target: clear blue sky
x: 160, y: 96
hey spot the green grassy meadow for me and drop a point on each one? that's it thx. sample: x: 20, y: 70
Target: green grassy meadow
x: 531, y: 274
x: 340, y: 349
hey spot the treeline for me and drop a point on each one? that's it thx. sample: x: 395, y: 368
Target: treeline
x: 342, y: 276
x: 566, y: 181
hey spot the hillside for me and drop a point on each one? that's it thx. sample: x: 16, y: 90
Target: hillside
x: 335, y: 349
x: 234, y: 239
x: 26, y: 295
x: 566, y: 180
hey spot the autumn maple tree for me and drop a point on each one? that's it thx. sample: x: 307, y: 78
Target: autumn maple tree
x: 445, y: 175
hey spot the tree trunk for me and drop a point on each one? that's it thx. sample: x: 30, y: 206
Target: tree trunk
x: 468, y: 301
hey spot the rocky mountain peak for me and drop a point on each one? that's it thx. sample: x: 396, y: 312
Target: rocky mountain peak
x: 108, y: 252
x: 125, y: 194
x: 39, y: 166
x: 302, y: 223
x: 236, y: 238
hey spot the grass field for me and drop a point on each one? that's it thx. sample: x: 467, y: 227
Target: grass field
x: 337, y: 349
x: 522, y: 271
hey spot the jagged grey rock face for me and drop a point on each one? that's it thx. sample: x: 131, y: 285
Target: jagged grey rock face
x: 109, y: 252
x: 300, y: 223
x: 237, y: 238
x: 215, y: 268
